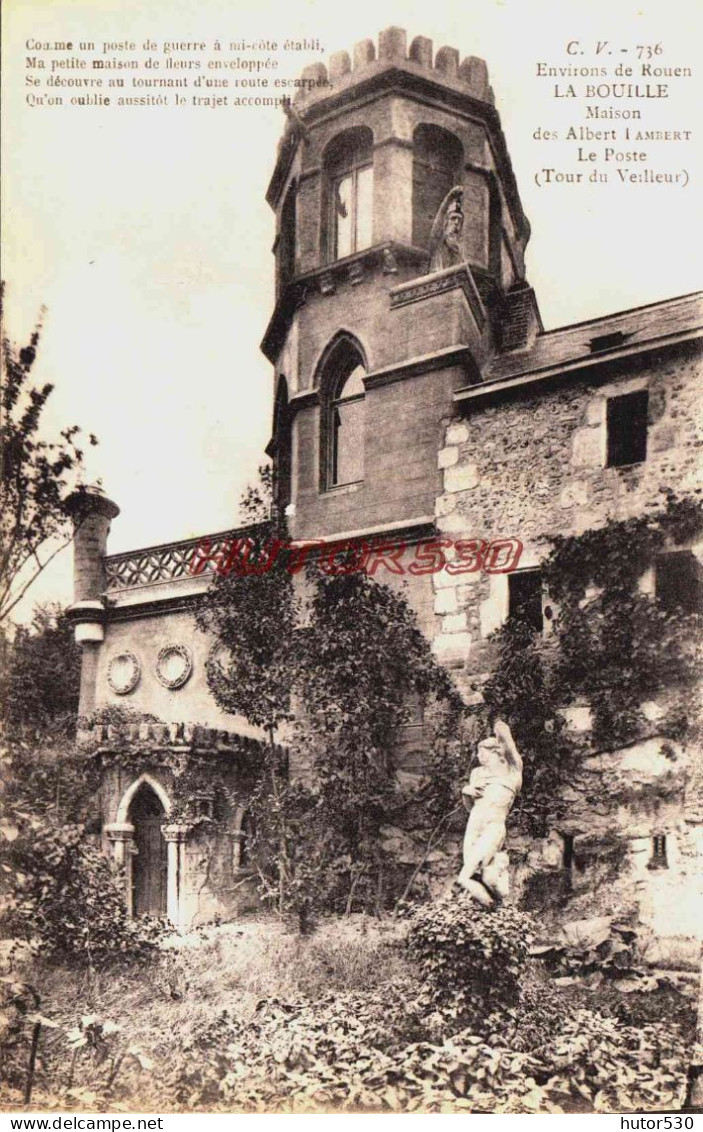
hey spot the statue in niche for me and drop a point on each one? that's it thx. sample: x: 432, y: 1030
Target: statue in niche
x: 489, y: 796
x: 445, y: 237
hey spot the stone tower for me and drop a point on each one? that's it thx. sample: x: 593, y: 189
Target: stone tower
x: 370, y: 338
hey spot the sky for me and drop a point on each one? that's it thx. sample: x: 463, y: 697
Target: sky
x: 146, y: 235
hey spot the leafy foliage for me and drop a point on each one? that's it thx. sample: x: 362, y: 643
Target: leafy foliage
x: 67, y: 900
x: 36, y: 476
x: 40, y: 675
x: 330, y: 664
x: 59, y: 892
x: 611, y: 952
x: 368, y: 1051
x: 470, y: 959
x: 609, y: 644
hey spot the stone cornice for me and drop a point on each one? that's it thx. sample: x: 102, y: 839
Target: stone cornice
x: 325, y: 280
x: 413, y: 367
x: 426, y: 286
x: 414, y: 530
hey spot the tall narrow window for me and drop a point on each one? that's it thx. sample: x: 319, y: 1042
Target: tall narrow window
x: 348, y: 430
x: 281, y: 449
x: 438, y: 157
x: 627, y: 429
x: 286, y: 242
x: 658, y: 859
x: 342, y: 422
x: 349, y: 193
x: 525, y: 599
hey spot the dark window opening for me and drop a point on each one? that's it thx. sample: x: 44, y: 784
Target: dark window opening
x: 246, y: 834
x: 286, y: 245
x: 438, y: 157
x: 342, y: 421
x: 658, y: 859
x: 349, y: 194
x: 283, y: 449
x: 567, y: 860
x: 608, y: 341
x: 567, y: 851
x: 679, y: 582
x: 348, y: 430
x: 525, y: 599
x: 627, y: 429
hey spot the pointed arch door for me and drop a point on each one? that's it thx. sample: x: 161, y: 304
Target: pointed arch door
x: 150, y: 861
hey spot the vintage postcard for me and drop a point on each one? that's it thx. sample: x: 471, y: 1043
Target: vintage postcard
x: 352, y: 558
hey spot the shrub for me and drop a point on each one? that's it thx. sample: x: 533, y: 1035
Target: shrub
x: 470, y: 958
x: 610, y: 952
x: 364, y: 1050
x: 68, y: 901
x: 308, y: 1054
x: 614, y: 1068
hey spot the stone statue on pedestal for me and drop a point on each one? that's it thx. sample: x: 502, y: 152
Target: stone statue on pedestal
x: 489, y: 795
x: 445, y: 237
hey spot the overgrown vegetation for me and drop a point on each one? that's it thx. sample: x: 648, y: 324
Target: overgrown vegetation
x: 58, y: 893
x: 253, y: 1018
x: 609, y: 645
x: 470, y: 962
x: 331, y: 672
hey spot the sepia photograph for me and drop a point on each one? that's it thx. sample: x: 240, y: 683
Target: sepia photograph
x: 351, y: 560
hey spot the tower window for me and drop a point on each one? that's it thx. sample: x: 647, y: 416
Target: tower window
x: 282, y: 448
x: 286, y: 243
x: 342, y: 422
x: 349, y: 193
x: 525, y: 599
x: 679, y: 582
x: 627, y: 429
x: 438, y: 157
x: 348, y: 430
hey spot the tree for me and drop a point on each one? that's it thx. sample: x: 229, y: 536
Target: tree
x: 36, y: 475
x: 364, y: 658
x: 40, y: 677
x: 333, y: 671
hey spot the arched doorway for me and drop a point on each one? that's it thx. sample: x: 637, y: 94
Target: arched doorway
x: 149, y: 862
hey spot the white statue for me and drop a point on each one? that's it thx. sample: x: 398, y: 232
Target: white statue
x: 446, y: 235
x: 492, y: 788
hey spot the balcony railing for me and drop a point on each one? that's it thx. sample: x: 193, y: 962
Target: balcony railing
x: 169, y: 562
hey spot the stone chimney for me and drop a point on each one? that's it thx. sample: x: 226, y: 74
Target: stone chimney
x: 92, y: 513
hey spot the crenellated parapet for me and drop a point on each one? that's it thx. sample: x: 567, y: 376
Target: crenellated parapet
x: 367, y: 58
x: 374, y: 140
x: 177, y: 737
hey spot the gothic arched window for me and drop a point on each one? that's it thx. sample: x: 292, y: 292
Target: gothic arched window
x: 343, y: 421
x: 438, y: 158
x: 348, y: 196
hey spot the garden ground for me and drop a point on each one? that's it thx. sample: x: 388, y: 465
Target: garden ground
x: 253, y: 1015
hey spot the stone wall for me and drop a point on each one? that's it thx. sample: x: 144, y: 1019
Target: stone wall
x: 534, y: 465
x: 145, y: 638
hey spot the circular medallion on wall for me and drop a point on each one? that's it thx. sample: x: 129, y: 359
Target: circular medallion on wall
x: 174, y: 665
x: 123, y: 673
